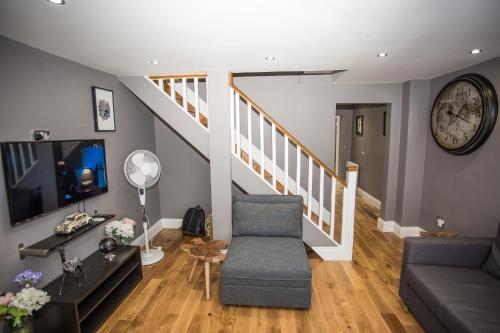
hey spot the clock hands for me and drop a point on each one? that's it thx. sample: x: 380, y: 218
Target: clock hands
x: 458, y: 116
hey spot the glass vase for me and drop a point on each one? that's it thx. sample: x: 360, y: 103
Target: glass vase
x: 26, y: 325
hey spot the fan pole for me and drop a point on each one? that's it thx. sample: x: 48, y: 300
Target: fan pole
x: 145, y: 228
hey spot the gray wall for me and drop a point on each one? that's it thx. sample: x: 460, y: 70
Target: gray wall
x: 465, y: 190
x: 307, y: 110
x: 345, y: 138
x: 39, y: 90
x: 367, y: 150
x: 185, y: 181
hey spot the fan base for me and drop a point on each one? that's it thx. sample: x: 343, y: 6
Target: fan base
x: 152, y: 257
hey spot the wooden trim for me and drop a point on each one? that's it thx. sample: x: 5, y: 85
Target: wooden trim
x: 285, y: 132
x: 352, y: 168
x: 178, y: 76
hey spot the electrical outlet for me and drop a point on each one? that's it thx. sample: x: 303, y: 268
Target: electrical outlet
x: 440, y: 222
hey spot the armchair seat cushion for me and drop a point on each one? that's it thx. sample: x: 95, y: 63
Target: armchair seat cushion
x: 266, y: 262
x: 465, y: 299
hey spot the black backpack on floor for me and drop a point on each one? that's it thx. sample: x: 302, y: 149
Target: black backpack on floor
x: 193, y: 222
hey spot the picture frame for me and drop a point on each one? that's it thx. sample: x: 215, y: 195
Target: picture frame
x: 103, y: 109
x: 359, y: 125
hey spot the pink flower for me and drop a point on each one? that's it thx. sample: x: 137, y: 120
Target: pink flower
x: 5, y: 300
x: 126, y: 220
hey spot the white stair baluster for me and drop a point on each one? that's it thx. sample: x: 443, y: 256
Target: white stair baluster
x: 332, y: 206
x: 197, y: 99
x: 231, y: 112
x: 309, y: 188
x: 273, y: 139
x: 161, y: 85
x: 297, y: 189
x: 261, y: 133
x: 238, y: 126
x: 286, y: 164
x: 172, y: 89
x: 249, y: 134
x: 184, y: 94
x: 321, y: 194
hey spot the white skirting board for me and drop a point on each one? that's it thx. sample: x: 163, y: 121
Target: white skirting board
x: 401, y: 232
x: 162, y: 223
x: 369, y: 198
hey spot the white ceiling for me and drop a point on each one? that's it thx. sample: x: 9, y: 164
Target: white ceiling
x: 424, y: 38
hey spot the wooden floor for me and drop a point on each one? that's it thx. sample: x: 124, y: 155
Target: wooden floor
x: 357, y: 296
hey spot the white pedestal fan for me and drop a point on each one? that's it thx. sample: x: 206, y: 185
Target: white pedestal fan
x: 142, y: 169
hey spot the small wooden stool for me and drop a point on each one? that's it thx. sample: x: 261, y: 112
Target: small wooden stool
x: 208, y: 252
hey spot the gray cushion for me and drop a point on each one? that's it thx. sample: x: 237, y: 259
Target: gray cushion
x: 267, y: 215
x: 492, y: 264
x: 267, y: 262
x: 464, y: 299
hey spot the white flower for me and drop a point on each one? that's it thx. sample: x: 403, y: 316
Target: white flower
x: 119, y: 229
x: 30, y: 299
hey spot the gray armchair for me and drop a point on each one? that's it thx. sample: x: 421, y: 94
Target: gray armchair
x: 266, y: 263
x: 443, y: 285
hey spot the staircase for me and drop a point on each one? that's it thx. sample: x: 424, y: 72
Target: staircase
x: 266, y: 158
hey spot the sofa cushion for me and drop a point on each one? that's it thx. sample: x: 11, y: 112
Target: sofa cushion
x: 464, y: 299
x: 492, y: 264
x: 266, y: 262
x: 267, y: 215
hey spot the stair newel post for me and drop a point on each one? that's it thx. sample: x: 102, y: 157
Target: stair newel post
x: 321, y: 194
x: 238, y: 126
x: 297, y: 189
x: 349, y: 206
x: 333, y: 197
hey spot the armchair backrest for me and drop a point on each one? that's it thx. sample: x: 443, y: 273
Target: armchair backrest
x: 268, y: 215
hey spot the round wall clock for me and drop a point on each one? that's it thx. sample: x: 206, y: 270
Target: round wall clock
x: 464, y: 114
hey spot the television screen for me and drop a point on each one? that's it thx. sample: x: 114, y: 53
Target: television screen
x: 42, y: 176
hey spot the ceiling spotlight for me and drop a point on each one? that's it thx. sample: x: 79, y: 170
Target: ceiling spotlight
x: 382, y: 54
x: 154, y: 62
x: 475, y: 51
x: 57, y: 2
x: 270, y: 58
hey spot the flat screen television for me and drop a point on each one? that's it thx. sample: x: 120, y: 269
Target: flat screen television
x: 42, y: 176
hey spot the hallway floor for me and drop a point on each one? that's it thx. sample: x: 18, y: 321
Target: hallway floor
x: 357, y: 296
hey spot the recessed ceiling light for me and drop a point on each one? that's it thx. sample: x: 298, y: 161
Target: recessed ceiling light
x: 270, y: 58
x: 382, y: 54
x: 57, y: 2
x: 475, y: 51
x: 154, y: 62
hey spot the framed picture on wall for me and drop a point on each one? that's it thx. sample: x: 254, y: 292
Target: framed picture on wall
x: 104, y: 110
x: 359, y: 125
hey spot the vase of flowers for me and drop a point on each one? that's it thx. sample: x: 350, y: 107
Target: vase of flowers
x: 122, y: 230
x: 17, y: 310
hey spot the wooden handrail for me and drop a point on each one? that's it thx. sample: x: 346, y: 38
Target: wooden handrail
x: 285, y: 132
x: 178, y: 76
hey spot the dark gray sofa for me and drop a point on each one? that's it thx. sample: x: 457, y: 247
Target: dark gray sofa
x: 443, y: 285
x: 266, y: 263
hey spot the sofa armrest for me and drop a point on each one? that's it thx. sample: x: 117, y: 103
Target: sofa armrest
x: 461, y: 252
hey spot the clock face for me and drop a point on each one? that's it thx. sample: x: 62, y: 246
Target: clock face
x: 457, y: 115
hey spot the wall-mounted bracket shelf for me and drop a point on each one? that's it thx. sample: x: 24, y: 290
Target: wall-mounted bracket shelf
x: 50, y: 244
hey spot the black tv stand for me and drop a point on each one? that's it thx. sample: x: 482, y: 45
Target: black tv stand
x: 85, y: 308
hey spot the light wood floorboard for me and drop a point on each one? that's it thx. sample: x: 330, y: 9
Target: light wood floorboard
x: 357, y: 296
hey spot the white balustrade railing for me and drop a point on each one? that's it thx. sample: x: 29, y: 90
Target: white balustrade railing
x: 323, y: 185
x: 185, y: 91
